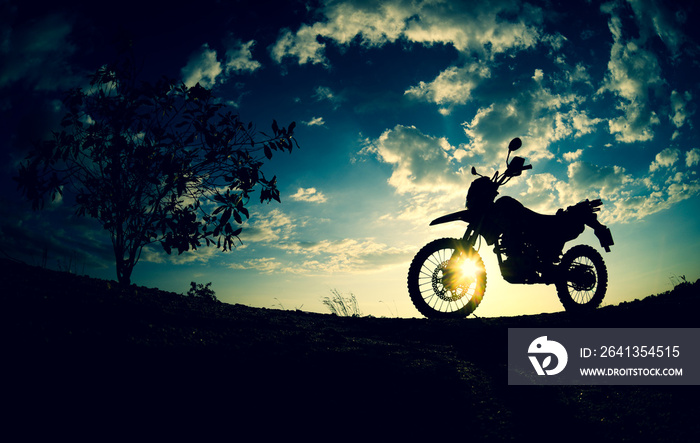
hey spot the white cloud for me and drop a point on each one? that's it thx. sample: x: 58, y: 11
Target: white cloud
x: 272, y: 227
x: 345, y: 256
x: 664, y: 159
x: 156, y: 254
x: 420, y: 163
x: 538, y: 76
x: 315, y: 121
x: 308, y: 195
x: 626, y: 198
x: 452, y: 86
x: 571, y: 156
x: 239, y: 58
x: 303, y: 45
x: 678, y: 107
x: 692, y: 157
x: 278, y: 232
x: 265, y: 265
x: 324, y: 93
x: 632, y: 72
x: 536, y: 114
x: 475, y: 26
x: 637, y: 205
x: 541, y: 193
x: 579, y: 74
x: 203, y: 68
x: 468, y: 26
x: 587, y: 181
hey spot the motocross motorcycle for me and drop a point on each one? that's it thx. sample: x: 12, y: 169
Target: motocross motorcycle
x: 447, y: 279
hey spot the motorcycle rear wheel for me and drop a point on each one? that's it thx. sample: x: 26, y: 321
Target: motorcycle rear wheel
x: 583, y: 281
x: 434, y: 291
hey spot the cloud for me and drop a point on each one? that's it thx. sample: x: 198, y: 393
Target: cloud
x: 479, y: 27
x: 627, y: 198
x: 324, y: 93
x: 541, y: 193
x: 638, y: 205
x: 420, y: 163
x: 38, y: 54
x: 534, y: 113
x: 273, y: 227
x: 419, y: 209
x: 239, y: 58
x: 202, y: 67
x: 345, y: 256
x: 277, y: 233
x: 571, y: 156
x: 452, y: 86
x: 692, y: 157
x: 329, y: 257
x: 205, y: 68
x: 678, y: 107
x: 315, y: 121
x: 585, y: 178
x: 156, y: 254
x: 655, y: 19
x: 265, y: 265
x: 664, y: 159
x: 632, y: 72
x: 309, y: 195
x: 303, y: 45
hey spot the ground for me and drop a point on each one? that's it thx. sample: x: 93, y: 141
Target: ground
x: 86, y: 357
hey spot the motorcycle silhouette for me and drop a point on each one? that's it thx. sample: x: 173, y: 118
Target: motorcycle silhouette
x: 447, y: 278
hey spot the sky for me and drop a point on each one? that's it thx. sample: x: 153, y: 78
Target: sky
x: 394, y: 102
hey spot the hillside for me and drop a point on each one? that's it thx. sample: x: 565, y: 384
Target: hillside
x: 85, y: 353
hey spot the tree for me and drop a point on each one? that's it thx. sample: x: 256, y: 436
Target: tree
x: 204, y: 292
x: 153, y: 163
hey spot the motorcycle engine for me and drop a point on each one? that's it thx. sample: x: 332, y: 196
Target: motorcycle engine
x: 520, y: 263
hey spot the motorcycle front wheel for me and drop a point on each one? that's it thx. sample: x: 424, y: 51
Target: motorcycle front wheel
x: 446, y: 280
x: 583, y: 279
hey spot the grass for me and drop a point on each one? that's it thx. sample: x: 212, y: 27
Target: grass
x: 342, y: 306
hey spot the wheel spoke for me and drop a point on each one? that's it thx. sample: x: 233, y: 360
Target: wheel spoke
x: 440, y: 289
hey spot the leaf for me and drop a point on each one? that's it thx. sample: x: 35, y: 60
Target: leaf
x: 225, y: 217
x: 275, y: 128
x: 268, y: 151
x: 546, y: 362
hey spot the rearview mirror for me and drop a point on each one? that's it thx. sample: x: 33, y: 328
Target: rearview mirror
x: 515, y: 144
x: 474, y: 171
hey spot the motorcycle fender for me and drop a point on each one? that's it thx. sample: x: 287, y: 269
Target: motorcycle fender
x: 605, y: 236
x: 456, y: 216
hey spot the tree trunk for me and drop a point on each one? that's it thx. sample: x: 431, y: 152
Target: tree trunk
x: 124, y: 272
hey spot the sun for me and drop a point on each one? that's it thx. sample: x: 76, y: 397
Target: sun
x: 468, y: 269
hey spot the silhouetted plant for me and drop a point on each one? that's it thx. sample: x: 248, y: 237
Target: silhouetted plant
x: 342, y: 306
x: 677, y: 280
x: 153, y: 163
x: 202, y: 291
